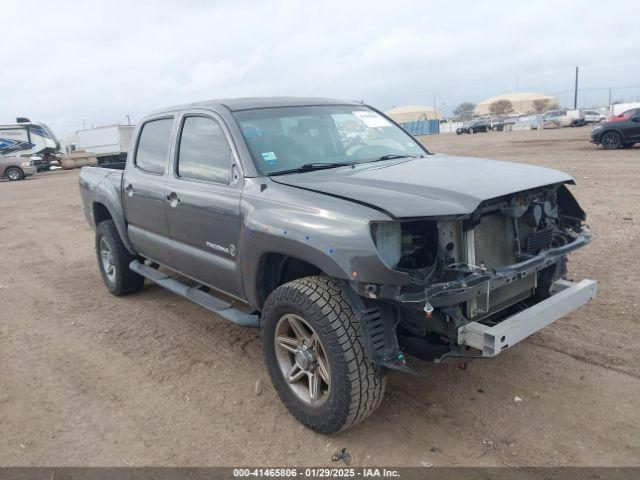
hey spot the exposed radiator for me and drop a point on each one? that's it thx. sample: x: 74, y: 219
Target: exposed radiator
x: 491, y: 244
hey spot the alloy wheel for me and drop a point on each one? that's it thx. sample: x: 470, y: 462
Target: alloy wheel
x: 302, y: 360
x: 108, y: 263
x: 610, y: 140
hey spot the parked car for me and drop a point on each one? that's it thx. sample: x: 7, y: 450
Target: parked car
x: 563, y: 118
x: 17, y: 168
x: 480, y: 125
x: 592, y: 116
x: 622, y: 131
x: 340, y: 236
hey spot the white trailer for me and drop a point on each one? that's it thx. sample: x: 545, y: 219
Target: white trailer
x: 103, y: 145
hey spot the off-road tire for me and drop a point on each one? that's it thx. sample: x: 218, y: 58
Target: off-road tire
x: 356, y: 389
x: 14, y: 174
x: 126, y: 281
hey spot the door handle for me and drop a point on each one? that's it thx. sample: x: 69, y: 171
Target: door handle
x: 173, y: 199
x: 129, y: 190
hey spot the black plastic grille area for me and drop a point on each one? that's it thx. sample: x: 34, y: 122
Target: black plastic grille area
x: 539, y: 240
x: 375, y: 326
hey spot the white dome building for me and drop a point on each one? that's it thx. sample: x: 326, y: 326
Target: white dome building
x: 523, y: 102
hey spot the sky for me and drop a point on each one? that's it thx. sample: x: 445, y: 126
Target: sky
x: 70, y: 64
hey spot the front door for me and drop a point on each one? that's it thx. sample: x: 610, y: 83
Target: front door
x: 144, y: 191
x: 203, y: 198
x: 634, y: 128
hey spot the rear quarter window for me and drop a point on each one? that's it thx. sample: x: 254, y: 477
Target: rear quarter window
x: 152, y: 153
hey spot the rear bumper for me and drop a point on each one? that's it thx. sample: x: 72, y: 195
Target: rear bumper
x: 491, y: 341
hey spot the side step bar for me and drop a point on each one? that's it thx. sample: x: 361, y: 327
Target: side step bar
x: 204, y: 299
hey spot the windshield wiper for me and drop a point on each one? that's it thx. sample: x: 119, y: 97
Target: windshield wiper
x: 392, y: 157
x: 309, y: 167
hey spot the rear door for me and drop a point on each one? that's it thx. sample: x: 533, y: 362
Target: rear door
x: 203, y: 213
x: 144, y: 190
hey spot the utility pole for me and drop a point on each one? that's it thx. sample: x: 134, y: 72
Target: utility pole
x: 610, y: 106
x: 128, y: 120
x: 434, y: 107
x: 575, y: 92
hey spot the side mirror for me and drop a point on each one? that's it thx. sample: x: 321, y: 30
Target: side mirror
x: 636, y: 119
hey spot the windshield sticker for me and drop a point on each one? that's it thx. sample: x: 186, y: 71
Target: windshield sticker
x: 371, y: 119
x: 269, y: 157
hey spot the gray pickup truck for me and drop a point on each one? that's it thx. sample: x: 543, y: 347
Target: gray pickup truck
x: 348, y: 243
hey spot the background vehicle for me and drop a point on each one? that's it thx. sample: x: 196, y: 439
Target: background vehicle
x: 27, y: 139
x: 100, y: 145
x: 622, y: 131
x: 480, y: 125
x: 592, y: 116
x: 563, y: 118
x: 340, y: 236
x: 16, y: 168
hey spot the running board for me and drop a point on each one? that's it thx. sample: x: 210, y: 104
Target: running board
x: 204, y: 299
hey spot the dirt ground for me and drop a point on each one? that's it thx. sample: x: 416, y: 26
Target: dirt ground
x: 151, y: 379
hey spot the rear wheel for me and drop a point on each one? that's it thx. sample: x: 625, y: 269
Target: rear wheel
x: 611, y: 140
x: 314, y: 354
x: 114, y: 260
x: 14, y: 174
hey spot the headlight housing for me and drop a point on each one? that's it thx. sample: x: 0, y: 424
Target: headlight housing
x: 388, y: 239
x: 409, y: 245
x: 26, y: 164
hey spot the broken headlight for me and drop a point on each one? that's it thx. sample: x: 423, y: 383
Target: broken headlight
x: 409, y: 245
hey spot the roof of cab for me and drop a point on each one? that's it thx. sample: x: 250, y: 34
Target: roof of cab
x: 249, y: 103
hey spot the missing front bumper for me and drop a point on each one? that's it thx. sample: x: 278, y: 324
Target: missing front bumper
x: 492, y: 340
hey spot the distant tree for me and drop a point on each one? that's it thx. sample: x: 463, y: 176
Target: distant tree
x: 464, y: 110
x: 501, y: 107
x: 540, y: 105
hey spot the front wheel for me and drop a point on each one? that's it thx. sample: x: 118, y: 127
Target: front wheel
x: 14, y: 174
x: 114, y: 260
x: 314, y: 353
x: 611, y: 140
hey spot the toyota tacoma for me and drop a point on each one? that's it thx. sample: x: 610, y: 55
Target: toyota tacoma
x: 339, y: 235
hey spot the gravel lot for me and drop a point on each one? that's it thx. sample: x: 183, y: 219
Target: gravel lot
x: 151, y: 379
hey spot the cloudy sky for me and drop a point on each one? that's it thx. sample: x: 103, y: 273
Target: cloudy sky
x: 66, y: 63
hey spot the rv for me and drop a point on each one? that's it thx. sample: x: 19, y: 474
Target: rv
x: 28, y: 139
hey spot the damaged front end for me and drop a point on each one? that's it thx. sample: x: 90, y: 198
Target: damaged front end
x: 469, y: 274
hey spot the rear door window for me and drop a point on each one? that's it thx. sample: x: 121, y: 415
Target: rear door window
x: 153, y: 146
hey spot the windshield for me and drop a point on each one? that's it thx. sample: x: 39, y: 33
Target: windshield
x: 288, y: 138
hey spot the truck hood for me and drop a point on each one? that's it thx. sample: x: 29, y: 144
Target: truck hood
x: 431, y: 186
